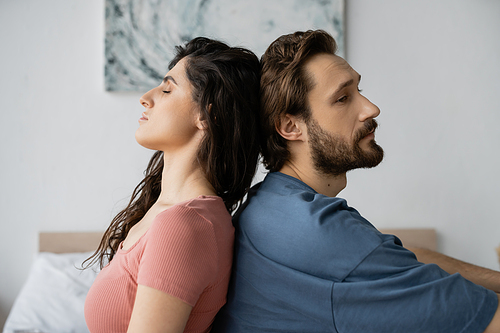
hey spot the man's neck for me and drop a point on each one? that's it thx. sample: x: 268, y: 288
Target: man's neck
x: 327, y: 185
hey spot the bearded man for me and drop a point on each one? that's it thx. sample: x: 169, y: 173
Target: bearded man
x: 304, y: 260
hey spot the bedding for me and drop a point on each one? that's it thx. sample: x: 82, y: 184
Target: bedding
x: 53, y: 296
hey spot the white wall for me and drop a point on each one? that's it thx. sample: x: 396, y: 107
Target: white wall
x: 68, y: 152
x: 433, y: 68
x: 69, y: 158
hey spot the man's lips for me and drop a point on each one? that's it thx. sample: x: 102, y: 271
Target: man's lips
x: 370, y: 135
x: 369, y: 131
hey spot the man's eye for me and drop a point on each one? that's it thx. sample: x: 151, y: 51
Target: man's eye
x: 166, y: 92
x: 342, y: 99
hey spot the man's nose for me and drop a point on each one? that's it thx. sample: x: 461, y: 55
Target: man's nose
x: 369, y: 111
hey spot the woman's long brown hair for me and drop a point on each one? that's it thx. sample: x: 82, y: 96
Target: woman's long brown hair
x: 226, y: 87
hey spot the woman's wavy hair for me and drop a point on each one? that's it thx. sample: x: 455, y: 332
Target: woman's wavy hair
x: 284, y: 87
x: 225, y: 84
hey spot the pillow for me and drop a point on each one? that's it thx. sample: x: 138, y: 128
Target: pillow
x: 52, y: 298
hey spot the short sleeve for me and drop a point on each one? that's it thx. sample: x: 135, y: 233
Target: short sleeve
x: 390, y: 291
x: 180, y: 255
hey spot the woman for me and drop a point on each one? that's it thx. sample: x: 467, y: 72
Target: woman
x: 170, y: 249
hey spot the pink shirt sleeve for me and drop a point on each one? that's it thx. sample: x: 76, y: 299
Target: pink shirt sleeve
x: 180, y: 255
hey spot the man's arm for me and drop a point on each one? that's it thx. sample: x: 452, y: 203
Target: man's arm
x: 494, y: 326
x: 485, y: 277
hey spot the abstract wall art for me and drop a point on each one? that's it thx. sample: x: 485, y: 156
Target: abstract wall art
x: 141, y: 34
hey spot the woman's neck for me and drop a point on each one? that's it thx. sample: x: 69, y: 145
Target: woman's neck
x: 182, y: 179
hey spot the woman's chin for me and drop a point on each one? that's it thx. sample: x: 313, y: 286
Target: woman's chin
x: 143, y: 141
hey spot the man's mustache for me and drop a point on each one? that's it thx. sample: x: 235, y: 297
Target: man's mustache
x: 370, y: 125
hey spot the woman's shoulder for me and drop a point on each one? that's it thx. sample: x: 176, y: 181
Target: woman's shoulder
x: 200, y: 210
x: 208, y: 206
x: 193, y: 223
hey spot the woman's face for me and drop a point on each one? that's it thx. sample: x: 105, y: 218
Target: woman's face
x: 171, y: 118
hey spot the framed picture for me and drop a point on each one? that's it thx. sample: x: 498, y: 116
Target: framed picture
x: 141, y: 34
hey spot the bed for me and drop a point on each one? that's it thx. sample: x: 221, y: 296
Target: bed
x: 52, y: 298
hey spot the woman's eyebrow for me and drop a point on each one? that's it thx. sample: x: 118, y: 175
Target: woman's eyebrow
x: 167, y: 78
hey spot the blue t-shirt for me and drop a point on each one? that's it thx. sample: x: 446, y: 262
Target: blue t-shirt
x: 305, y: 262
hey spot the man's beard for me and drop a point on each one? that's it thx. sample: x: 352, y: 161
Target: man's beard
x: 334, y: 156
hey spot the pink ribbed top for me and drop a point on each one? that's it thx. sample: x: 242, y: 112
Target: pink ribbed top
x: 187, y: 253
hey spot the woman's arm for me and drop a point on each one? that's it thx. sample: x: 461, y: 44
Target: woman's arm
x: 485, y: 277
x: 155, y: 311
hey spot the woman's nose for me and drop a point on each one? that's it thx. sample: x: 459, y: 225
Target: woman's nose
x: 147, y: 99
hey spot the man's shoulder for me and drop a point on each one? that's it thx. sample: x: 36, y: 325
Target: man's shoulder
x: 283, y: 201
x: 292, y: 225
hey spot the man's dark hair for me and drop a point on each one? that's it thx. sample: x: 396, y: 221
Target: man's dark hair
x: 284, y: 87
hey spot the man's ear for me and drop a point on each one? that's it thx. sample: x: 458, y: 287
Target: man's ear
x: 291, y: 128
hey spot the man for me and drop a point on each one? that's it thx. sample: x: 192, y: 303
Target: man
x: 304, y: 260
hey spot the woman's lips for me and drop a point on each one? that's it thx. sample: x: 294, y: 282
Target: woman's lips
x: 144, y: 117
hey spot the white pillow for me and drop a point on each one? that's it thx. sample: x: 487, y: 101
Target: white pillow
x: 52, y: 299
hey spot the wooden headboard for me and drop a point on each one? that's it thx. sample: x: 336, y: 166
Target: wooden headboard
x: 63, y: 242
x: 422, y: 238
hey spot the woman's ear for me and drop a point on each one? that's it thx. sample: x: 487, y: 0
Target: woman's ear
x: 291, y: 128
x: 201, y: 121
